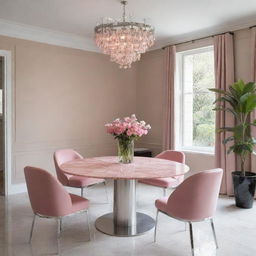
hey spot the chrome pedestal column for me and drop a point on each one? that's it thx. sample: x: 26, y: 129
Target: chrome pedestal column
x: 124, y: 221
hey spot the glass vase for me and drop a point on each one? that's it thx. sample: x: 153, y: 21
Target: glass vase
x: 125, y: 151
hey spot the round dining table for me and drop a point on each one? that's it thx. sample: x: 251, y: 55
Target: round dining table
x: 124, y: 220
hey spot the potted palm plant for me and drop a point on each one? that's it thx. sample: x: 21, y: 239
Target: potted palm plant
x: 240, y: 101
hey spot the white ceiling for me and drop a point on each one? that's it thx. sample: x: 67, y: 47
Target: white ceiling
x: 173, y: 20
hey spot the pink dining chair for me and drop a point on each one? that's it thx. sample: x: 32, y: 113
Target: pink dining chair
x: 171, y: 182
x: 49, y: 199
x: 194, y: 200
x: 65, y: 155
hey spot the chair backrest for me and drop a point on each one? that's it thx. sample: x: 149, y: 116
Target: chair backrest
x: 196, y: 198
x: 47, y: 196
x: 176, y: 156
x: 172, y: 155
x: 60, y: 157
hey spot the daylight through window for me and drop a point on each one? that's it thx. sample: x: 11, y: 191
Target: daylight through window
x: 196, y: 119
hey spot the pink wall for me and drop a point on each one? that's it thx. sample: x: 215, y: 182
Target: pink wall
x: 62, y: 98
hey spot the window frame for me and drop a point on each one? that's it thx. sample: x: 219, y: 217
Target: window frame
x: 180, y: 56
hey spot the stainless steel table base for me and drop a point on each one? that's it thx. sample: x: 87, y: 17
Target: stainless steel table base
x: 125, y: 220
x: 107, y: 225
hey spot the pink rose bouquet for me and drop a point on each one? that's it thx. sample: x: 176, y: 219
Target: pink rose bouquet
x: 126, y: 131
x: 128, y: 127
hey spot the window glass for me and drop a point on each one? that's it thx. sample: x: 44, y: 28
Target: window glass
x: 197, y: 121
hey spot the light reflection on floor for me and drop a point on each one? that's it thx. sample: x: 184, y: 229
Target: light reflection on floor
x: 235, y: 228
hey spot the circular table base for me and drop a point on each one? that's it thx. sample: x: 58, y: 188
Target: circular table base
x: 106, y: 225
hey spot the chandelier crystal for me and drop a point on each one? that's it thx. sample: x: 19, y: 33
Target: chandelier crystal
x: 124, y: 41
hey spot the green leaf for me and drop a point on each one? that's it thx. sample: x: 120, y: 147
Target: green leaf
x: 228, y: 99
x: 239, y: 86
x: 250, y: 87
x: 221, y: 108
x: 250, y: 103
x: 225, y: 141
x: 231, y: 149
x: 235, y: 94
x: 244, y: 97
x: 219, y: 91
x: 226, y: 129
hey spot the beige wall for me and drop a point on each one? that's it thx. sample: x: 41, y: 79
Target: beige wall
x: 150, y: 96
x: 62, y: 98
x: 150, y: 92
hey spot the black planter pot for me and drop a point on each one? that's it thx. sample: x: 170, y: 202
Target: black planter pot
x: 244, y: 189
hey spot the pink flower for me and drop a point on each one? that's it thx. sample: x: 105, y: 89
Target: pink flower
x: 133, y: 118
x: 127, y: 119
x: 109, y: 128
x: 129, y: 132
x: 148, y: 127
x: 118, y: 130
x: 126, y: 124
x: 129, y: 126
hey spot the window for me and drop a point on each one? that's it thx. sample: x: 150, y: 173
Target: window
x: 195, y: 118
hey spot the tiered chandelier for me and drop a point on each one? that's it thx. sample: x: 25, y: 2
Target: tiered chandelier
x: 124, y: 41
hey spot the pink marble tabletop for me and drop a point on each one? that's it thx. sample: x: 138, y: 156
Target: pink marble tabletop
x: 108, y: 167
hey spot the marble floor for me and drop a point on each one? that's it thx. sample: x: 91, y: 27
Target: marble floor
x: 236, y: 230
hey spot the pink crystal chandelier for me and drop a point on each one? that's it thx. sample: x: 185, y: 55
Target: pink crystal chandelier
x: 124, y: 41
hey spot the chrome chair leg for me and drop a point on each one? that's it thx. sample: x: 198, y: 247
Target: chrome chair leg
x: 61, y: 225
x: 58, y: 236
x: 32, y: 228
x: 88, y: 224
x: 157, y: 212
x: 58, y: 227
x: 82, y: 192
x: 106, y: 191
x: 58, y: 247
x: 214, y: 234
x: 191, y: 238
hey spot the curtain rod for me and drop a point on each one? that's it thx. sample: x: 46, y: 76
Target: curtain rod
x: 232, y: 33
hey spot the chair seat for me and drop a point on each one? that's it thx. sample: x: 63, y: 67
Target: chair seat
x: 163, y: 182
x: 78, y: 203
x: 79, y: 181
x: 161, y: 204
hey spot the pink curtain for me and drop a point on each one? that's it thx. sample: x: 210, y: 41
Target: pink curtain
x: 224, y: 76
x: 253, y: 68
x: 253, y: 54
x: 253, y: 77
x: 168, y: 118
